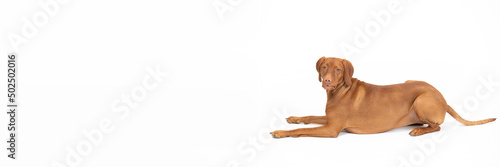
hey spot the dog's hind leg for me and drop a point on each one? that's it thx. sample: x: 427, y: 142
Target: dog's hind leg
x: 423, y: 130
x: 430, y: 108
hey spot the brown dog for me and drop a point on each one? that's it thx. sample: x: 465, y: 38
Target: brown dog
x: 363, y: 108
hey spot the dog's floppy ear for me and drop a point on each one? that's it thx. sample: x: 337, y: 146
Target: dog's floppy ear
x: 318, y: 64
x: 348, y: 71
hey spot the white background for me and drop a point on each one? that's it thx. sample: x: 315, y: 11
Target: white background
x: 227, y: 76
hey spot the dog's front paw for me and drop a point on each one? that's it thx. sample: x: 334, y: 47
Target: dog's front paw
x: 279, y: 134
x: 295, y: 120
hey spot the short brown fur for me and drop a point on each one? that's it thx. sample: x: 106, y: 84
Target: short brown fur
x: 363, y: 108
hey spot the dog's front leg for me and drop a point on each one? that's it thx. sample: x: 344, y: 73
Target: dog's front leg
x: 307, y: 120
x: 322, y: 131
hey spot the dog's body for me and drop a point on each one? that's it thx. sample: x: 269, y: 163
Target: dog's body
x: 359, y: 107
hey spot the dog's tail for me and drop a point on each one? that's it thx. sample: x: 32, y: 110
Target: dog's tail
x: 466, y: 122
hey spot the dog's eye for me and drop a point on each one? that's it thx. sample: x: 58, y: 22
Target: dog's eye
x: 324, y: 67
x: 338, y: 69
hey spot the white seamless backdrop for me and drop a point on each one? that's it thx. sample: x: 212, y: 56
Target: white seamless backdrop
x: 236, y: 69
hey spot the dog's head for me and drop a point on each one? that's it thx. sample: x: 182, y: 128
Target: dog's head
x: 334, y: 72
